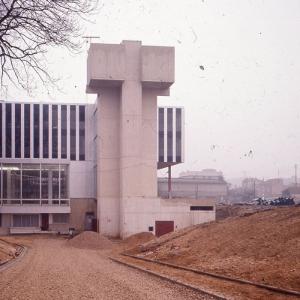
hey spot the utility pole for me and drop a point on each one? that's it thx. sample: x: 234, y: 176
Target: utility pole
x: 296, y: 179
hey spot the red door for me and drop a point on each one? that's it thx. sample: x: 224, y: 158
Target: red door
x: 45, y: 222
x: 163, y: 227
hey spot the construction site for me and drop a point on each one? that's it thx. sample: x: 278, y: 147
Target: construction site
x: 252, y: 256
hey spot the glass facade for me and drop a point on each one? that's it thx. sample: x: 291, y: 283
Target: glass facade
x: 45, y: 131
x: 63, y: 131
x: 26, y: 220
x: 8, y: 129
x: 36, y: 130
x: 26, y: 130
x: 34, y: 181
x: 17, y: 130
x: 81, y: 132
x: 54, y: 131
x: 73, y: 132
x: 0, y: 129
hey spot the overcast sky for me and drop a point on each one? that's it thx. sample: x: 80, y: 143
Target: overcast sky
x: 242, y: 112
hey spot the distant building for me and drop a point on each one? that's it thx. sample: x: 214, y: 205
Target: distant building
x: 263, y: 188
x: 205, y: 184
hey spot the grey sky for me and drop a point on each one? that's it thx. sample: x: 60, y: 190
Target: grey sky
x: 242, y: 111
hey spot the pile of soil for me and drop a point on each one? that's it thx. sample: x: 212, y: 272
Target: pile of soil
x: 137, y: 239
x: 90, y: 240
x: 7, y: 251
x: 262, y: 247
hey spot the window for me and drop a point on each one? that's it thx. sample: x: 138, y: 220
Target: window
x: 206, y: 208
x: 31, y: 181
x: 46, y: 131
x: 170, y: 134
x: 54, y: 131
x: 26, y: 130
x: 63, y: 131
x: 25, y: 220
x: 11, y: 181
x: 36, y: 130
x: 161, y: 134
x: 73, y: 132
x: 60, y: 218
x: 17, y: 130
x: 178, y: 135
x: 0, y: 129
x: 8, y: 129
x: 63, y: 181
x: 50, y: 181
x: 81, y: 132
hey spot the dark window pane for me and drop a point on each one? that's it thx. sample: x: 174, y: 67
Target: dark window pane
x: 46, y: 131
x: 36, y: 130
x: 161, y: 134
x: 30, y: 181
x: 8, y: 130
x: 170, y: 134
x: 63, y: 131
x: 17, y: 130
x: 54, y: 131
x: 26, y: 130
x: 81, y: 132
x: 25, y: 220
x: 73, y: 132
x: 0, y: 129
x: 50, y: 182
x: 178, y: 135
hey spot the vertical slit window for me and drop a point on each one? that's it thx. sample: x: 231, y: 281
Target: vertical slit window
x: 26, y: 130
x: 170, y: 134
x: 161, y: 134
x: 73, y: 132
x: 0, y: 129
x: 81, y: 132
x: 46, y: 131
x: 8, y: 130
x: 54, y: 131
x: 36, y: 130
x: 17, y: 130
x: 178, y: 135
x: 63, y: 131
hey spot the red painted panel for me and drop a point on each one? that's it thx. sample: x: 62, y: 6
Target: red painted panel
x: 163, y: 227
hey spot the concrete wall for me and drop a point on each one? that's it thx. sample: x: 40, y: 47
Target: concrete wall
x: 79, y: 208
x: 5, y: 224
x: 139, y: 215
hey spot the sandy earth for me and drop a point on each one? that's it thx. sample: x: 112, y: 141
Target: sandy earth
x: 52, y: 270
x: 262, y: 247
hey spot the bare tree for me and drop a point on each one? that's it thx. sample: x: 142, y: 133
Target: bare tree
x: 29, y: 27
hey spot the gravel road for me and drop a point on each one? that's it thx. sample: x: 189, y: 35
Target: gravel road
x: 52, y: 270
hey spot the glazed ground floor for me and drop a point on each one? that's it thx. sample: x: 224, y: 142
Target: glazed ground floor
x: 80, y: 215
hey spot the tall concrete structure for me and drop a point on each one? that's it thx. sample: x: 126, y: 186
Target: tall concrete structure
x: 127, y: 79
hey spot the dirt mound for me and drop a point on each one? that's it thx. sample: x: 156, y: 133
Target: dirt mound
x: 138, y: 239
x: 262, y: 247
x: 90, y: 240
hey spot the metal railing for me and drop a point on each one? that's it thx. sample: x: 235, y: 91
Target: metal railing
x: 46, y: 202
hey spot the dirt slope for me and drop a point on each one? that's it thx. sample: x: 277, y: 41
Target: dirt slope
x: 262, y: 247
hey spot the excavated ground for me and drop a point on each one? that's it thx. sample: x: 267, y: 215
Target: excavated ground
x: 263, y: 247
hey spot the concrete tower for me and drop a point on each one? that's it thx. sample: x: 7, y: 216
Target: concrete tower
x: 127, y: 79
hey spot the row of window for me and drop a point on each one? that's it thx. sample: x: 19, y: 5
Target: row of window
x: 33, y: 220
x: 169, y: 134
x: 34, y: 181
x: 42, y: 131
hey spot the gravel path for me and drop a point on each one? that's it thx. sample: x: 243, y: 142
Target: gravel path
x: 51, y: 270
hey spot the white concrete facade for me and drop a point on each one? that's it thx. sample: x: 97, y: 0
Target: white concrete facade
x: 127, y: 79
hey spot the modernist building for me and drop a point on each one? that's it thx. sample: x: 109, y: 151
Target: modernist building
x: 64, y: 165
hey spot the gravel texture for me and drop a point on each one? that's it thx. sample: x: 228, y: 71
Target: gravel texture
x: 52, y: 270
